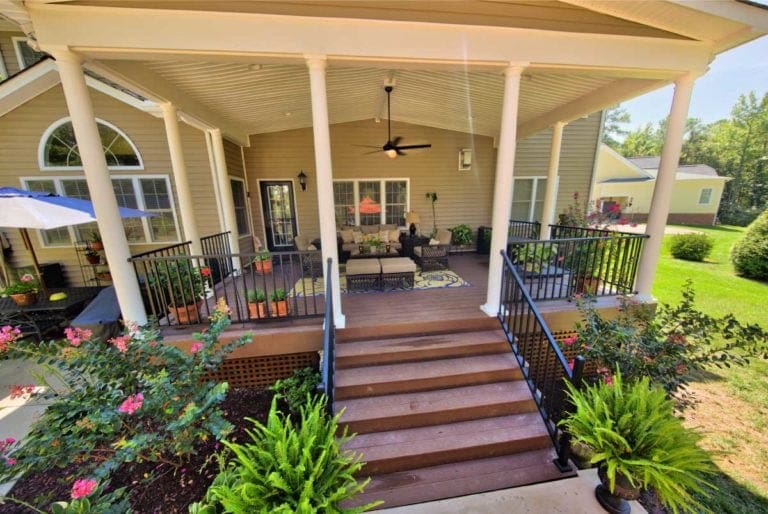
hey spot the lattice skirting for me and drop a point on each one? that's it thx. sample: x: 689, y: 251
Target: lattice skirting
x: 262, y: 371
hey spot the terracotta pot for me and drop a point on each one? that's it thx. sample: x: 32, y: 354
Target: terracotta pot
x: 186, y: 314
x: 93, y: 259
x: 616, y: 501
x: 280, y: 309
x: 96, y: 245
x: 104, y: 275
x: 257, y: 310
x: 263, y: 267
x: 23, y: 299
x: 587, y: 285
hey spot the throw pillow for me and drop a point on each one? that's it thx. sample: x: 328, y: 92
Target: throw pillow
x: 394, y: 236
x: 311, y: 247
x: 434, y: 242
x: 384, y: 236
x: 357, y: 237
x: 348, y: 236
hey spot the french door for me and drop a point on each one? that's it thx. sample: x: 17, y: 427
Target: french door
x: 278, y: 205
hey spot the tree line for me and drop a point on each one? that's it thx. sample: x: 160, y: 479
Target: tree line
x: 736, y: 147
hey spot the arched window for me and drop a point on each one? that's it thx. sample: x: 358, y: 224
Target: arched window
x: 58, y: 148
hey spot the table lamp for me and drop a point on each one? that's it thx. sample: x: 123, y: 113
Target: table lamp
x: 412, y: 218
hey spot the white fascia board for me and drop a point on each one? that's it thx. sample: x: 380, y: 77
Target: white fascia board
x: 164, y: 32
x: 29, y: 84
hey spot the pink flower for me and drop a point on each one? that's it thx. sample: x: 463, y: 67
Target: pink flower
x: 10, y: 461
x: 83, y: 487
x: 18, y: 390
x: 121, y: 342
x: 568, y: 341
x: 8, y: 335
x: 196, y: 347
x: 131, y: 404
x: 27, y: 278
x: 76, y: 335
x: 152, y: 343
x: 571, y: 363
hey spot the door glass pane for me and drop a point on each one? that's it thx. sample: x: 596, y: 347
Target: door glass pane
x: 281, y: 214
x: 344, y: 203
x: 397, y: 198
x: 370, y: 203
x: 521, y: 199
x: 54, y: 236
x: 541, y: 191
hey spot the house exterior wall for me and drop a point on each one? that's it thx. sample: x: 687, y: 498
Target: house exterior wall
x: 463, y: 196
x: 234, y: 159
x: 9, y: 51
x: 20, y: 134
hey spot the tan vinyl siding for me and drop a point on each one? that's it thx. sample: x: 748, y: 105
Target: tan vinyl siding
x: 9, y: 51
x: 22, y: 128
x: 463, y: 197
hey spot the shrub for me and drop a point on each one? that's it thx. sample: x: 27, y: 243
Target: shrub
x: 297, y: 388
x: 740, y: 217
x: 750, y: 253
x: 287, y: 468
x: 462, y: 235
x: 634, y: 432
x: 691, y: 247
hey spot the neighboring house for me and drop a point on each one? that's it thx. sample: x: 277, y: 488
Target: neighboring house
x: 626, y: 185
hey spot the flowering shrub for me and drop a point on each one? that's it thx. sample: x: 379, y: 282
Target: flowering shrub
x: 668, y: 346
x: 90, y: 497
x: 129, y: 399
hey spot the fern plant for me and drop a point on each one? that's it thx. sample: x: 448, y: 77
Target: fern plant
x: 633, y: 431
x: 287, y: 468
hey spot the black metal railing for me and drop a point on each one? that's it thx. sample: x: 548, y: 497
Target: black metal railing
x: 523, y: 229
x: 329, y: 343
x: 218, y: 244
x: 167, y: 251
x: 567, y: 231
x: 180, y: 290
x: 542, y: 362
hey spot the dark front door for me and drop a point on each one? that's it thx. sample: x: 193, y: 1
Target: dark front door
x: 277, y: 201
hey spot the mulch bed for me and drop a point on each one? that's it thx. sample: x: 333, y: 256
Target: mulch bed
x: 154, y: 489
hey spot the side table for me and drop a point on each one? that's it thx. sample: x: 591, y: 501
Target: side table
x: 410, y: 242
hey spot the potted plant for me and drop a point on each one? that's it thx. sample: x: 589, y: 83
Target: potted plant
x: 432, y: 197
x: 262, y: 263
x: 182, y: 285
x: 92, y: 256
x: 279, y: 303
x: 257, y: 304
x: 638, y: 443
x: 462, y: 235
x: 95, y: 243
x: 23, y: 292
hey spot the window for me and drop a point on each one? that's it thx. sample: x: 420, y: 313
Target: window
x: 149, y: 193
x: 528, y: 198
x: 58, y: 148
x: 241, y: 205
x: 370, y: 202
x: 3, y: 69
x: 705, y: 196
x: 24, y: 53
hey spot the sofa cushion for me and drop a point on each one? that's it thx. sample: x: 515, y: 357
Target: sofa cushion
x: 369, y: 229
x: 363, y: 266
x: 357, y: 237
x: 301, y: 242
x: 389, y: 227
x: 347, y: 235
x: 397, y: 265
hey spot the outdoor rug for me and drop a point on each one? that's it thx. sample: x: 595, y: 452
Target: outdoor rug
x: 422, y: 280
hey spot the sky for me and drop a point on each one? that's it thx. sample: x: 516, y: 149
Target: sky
x: 731, y: 74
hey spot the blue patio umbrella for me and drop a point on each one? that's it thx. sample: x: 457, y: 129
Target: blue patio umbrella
x: 24, y: 209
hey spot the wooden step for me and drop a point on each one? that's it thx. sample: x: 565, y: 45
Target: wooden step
x: 419, y: 348
x: 460, y: 479
x: 424, y: 376
x: 477, y: 321
x: 399, y: 450
x: 408, y: 410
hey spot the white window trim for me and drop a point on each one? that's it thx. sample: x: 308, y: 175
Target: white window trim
x: 3, y: 70
x: 711, y: 194
x: 534, y: 190
x: 247, y: 208
x: 139, y: 203
x: 19, y: 58
x: 382, y: 193
x: 56, y: 124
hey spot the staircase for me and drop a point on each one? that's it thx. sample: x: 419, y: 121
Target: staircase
x: 440, y: 415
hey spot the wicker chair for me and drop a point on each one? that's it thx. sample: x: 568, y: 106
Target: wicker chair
x: 434, y: 256
x: 311, y: 260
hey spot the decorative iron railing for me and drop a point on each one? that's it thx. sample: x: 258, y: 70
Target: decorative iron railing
x: 181, y: 290
x: 329, y: 344
x: 167, y: 251
x: 523, y: 229
x: 218, y: 244
x: 567, y: 231
x: 542, y: 362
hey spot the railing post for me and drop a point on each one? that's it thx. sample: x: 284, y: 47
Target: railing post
x: 564, y: 452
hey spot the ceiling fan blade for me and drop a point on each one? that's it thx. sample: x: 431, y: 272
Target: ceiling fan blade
x: 375, y: 151
x: 409, y: 147
x: 369, y: 146
x: 396, y: 141
x: 399, y: 151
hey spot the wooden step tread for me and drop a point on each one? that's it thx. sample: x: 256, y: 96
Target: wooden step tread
x: 420, y: 376
x: 406, y: 410
x: 460, y: 479
x: 425, y: 347
x: 397, y: 450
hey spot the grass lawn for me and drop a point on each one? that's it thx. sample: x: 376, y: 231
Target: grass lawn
x: 733, y: 413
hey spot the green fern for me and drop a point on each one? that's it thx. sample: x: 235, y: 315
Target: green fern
x: 634, y: 432
x: 287, y: 468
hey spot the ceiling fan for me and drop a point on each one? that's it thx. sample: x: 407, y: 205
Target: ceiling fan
x: 392, y: 148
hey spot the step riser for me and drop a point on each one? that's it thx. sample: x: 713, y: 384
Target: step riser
x: 438, y: 418
x: 480, y: 322
x: 419, y: 355
x: 427, y: 384
x: 404, y: 463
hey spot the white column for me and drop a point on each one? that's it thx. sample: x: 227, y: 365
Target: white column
x: 179, y: 166
x: 553, y: 180
x: 502, y: 190
x: 225, y: 188
x: 324, y: 172
x: 100, y: 186
x: 665, y: 181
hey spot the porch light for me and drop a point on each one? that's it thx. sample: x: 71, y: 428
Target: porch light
x: 391, y: 153
x: 412, y: 218
x: 302, y: 180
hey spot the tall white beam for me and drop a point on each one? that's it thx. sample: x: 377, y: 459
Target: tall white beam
x: 324, y: 171
x: 225, y: 191
x: 665, y: 180
x: 502, y: 190
x: 553, y: 180
x: 100, y: 186
x: 180, y: 178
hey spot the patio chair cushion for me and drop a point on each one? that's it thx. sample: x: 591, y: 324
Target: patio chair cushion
x: 398, y: 265
x: 363, y: 266
x: 444, y: 236
x: 302, y: 242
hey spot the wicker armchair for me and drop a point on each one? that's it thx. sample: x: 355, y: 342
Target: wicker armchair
x: 434, y: 256
x: 311, y: 258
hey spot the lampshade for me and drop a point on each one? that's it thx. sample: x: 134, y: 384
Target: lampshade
x: 412, y: 217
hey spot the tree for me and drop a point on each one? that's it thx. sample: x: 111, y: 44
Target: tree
x: 644, y: 141
x: 614, y: 126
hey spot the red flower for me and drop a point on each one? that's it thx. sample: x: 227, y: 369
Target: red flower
x: 131, y: 404
x: 83, y: 487
x: 206, y: 272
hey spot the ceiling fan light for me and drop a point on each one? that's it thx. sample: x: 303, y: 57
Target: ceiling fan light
x: 391, y: 153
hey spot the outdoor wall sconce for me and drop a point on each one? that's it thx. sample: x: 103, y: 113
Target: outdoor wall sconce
x: 302, y: 180
x: 465, y: 159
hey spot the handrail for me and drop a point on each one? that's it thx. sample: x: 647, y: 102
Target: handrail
x: 174, y: 249
x: 542, y: 362
x: 329, y: 342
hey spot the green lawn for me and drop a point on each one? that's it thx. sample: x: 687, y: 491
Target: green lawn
x: 733, y: 413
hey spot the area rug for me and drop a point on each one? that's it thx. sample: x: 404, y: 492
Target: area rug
x: 438, y: 279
